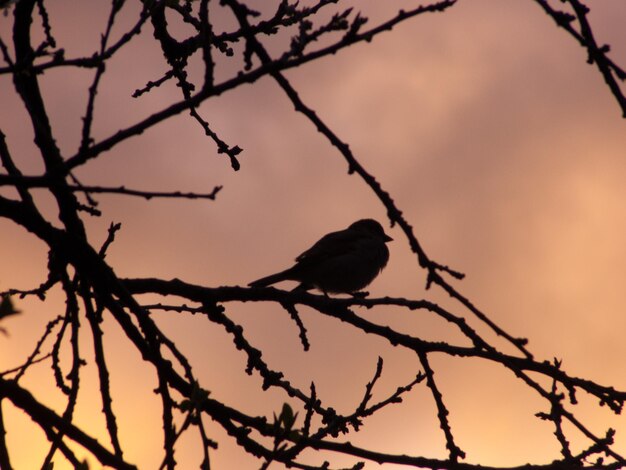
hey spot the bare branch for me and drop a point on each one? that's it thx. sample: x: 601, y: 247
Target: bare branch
x: 207, y: 59
x: 45, y: 417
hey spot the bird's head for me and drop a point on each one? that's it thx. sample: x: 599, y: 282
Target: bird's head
x: 372, y: 227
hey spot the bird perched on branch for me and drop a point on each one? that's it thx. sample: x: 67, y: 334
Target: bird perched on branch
x: 340, y: 262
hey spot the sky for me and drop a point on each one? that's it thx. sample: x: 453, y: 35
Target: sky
x: 503, y: 148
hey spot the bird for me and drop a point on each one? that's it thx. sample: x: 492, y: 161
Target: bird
x: 342, y: 262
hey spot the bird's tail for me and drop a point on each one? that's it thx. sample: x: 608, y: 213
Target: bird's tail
x: 271, y: 279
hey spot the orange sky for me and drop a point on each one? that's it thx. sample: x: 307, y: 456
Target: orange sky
x: 503, y: 148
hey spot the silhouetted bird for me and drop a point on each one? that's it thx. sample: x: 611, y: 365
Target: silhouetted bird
x: 340, y: 262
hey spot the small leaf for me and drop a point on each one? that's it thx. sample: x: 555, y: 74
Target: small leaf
x: 6, y: 307
x: 83, y: 465
x: 287, y: 417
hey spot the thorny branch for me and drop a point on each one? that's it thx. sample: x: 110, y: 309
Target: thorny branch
x: 94, y: 292
x: 612, y: 73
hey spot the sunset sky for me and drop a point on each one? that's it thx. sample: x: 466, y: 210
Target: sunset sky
x: 503, y: 148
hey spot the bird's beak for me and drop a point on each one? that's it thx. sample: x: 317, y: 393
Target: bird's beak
x: 388, y: 238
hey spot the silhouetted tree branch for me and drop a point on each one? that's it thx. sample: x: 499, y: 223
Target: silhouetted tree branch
x: 94, y: 292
